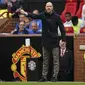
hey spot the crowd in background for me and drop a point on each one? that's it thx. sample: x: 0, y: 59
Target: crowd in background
x: 26, y: 25
x: 34, y: 26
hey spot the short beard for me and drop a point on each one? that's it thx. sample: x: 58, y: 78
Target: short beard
x: 50, y: 12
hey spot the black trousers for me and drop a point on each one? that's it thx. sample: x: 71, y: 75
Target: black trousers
x: 64, y: 76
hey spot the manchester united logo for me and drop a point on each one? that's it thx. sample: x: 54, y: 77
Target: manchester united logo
x: 21, y: 55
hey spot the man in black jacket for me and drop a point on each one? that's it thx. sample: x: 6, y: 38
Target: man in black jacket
x: 50, y: 42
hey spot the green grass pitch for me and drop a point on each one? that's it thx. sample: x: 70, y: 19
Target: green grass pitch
x: 42, y: 83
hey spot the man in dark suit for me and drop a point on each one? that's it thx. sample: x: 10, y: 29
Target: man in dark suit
x: 66, y: 63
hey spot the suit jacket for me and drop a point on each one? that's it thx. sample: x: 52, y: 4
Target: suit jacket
x: 66, y: 62
x: 50, y: 28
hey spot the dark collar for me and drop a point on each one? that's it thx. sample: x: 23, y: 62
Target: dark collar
x: 49, y: 14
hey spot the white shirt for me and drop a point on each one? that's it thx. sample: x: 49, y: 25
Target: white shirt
x: 63, y: 52
x: 68, y: 24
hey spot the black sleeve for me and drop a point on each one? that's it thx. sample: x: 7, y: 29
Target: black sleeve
x: 34, y: 16
x: 61, y: 27
x: 15, y: 15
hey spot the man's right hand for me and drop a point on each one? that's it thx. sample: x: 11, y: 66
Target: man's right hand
x: 23, y: 12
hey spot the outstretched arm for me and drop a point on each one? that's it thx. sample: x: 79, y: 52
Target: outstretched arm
x: 34, y: 16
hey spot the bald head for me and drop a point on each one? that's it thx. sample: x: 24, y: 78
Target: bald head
x: 34, y: 25
x: 49, y: 3
x: 49, y: 7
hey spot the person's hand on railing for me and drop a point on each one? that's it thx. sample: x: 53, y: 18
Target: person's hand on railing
x: 13, y: 31
x: 76, y: 35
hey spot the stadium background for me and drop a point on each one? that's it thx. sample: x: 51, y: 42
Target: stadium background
x: 29, y: 5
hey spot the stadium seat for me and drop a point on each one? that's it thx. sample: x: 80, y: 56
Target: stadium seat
x: 71, y: 1
x: 81, y: 0
x: 70, y: 7
x: 82, y: 30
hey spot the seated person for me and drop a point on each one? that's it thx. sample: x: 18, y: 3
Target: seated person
x: 34, y: 28
x: 22, y: 18
x: 39, y: 22
x: 21, y: 29
x: 27, y: 23
x: 68, y: 22
x: 76, y: 24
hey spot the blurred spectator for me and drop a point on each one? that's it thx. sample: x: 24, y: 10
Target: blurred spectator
x: 22, y: 18
x: 34, y: 28
x: 68, y: 22
x: 39, y: 22
x: 14, y: 6
x: 66, y: 63
x: 27, y: 23
x: 76, y: 24
x: 83, y: 11
x: 2, y: 1
x: 6, y: 1
x: 21, y: 29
